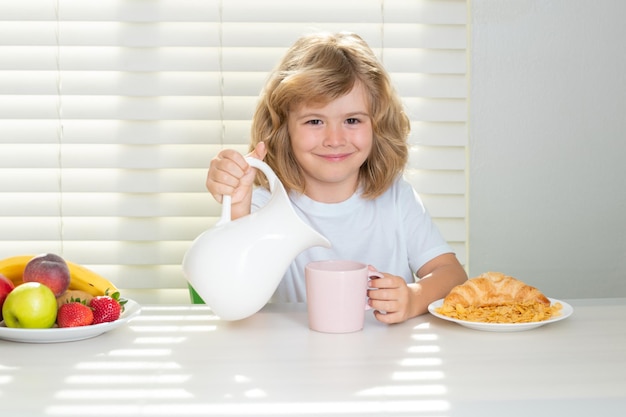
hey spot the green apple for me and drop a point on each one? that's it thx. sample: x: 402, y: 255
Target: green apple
x: 31, y: 305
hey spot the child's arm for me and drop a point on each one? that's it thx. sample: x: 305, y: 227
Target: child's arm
x: 401, y: 301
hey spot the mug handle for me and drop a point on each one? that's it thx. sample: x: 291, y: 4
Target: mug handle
x: 375, y: 275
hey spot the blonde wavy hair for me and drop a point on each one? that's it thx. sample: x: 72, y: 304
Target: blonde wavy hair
x: 317, y: 69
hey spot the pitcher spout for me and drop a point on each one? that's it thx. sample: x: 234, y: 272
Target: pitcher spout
x: 283, y: 221
x: 321, y: 241
x: 307, y: 237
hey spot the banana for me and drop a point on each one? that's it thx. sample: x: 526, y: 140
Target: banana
x: 13, y: 267
x: 81, y: 278
x: 85, y: 279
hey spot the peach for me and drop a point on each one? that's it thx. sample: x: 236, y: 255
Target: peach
x: 48, y: 269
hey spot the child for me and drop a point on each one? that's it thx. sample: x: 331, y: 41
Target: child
x: 333, y: 129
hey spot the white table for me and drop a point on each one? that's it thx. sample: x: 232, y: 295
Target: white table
x: 183, y: 361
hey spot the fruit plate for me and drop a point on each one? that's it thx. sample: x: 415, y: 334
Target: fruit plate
x: 68, y: 334
x: 503, y: 327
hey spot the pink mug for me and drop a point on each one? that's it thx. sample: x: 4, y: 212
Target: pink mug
x: 336, y: 293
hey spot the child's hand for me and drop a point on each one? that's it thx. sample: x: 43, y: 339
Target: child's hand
x: 230, y: 174
x: 392, y: 299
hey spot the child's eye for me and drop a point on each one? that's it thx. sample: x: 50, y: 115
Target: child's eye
x: 352, y: 121
x: 314, y: 122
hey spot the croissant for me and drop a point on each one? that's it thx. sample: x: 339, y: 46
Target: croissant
x: 493, y: 289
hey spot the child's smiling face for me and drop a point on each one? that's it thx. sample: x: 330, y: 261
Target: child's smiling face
x: 330, y: 143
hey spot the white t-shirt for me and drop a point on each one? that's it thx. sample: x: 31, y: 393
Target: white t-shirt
x: 394, y: 233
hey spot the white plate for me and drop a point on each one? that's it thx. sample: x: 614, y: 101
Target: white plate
x: 68, y: 334
x: 503, y: 327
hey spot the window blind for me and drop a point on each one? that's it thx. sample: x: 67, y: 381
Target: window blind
x: 111, y: 111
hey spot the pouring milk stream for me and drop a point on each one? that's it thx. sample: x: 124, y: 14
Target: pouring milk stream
x: 237, y: 264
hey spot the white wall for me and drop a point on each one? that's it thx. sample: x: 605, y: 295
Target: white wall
x: 547, y: 162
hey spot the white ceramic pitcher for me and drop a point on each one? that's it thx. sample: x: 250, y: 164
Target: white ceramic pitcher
x: 237, y: 265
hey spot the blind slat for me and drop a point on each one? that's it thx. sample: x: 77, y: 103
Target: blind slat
x: 437, y: 158
x: 166, y: 59
x: 108, y: 131
x: 427, y: 11
x: 185, y: 108
x: 436, y: 182
x: 100, y: 204
x: 192, y: 83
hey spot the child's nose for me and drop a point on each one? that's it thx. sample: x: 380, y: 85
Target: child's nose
x: 335, y: 136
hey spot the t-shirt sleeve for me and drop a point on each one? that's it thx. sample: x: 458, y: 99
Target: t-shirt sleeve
x: 424, y: 240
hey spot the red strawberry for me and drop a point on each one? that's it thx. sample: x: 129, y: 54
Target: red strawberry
x: 107, y: 307
x: 74, y: 314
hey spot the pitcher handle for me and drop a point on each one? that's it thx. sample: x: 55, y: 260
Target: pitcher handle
x: 271, y: 178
